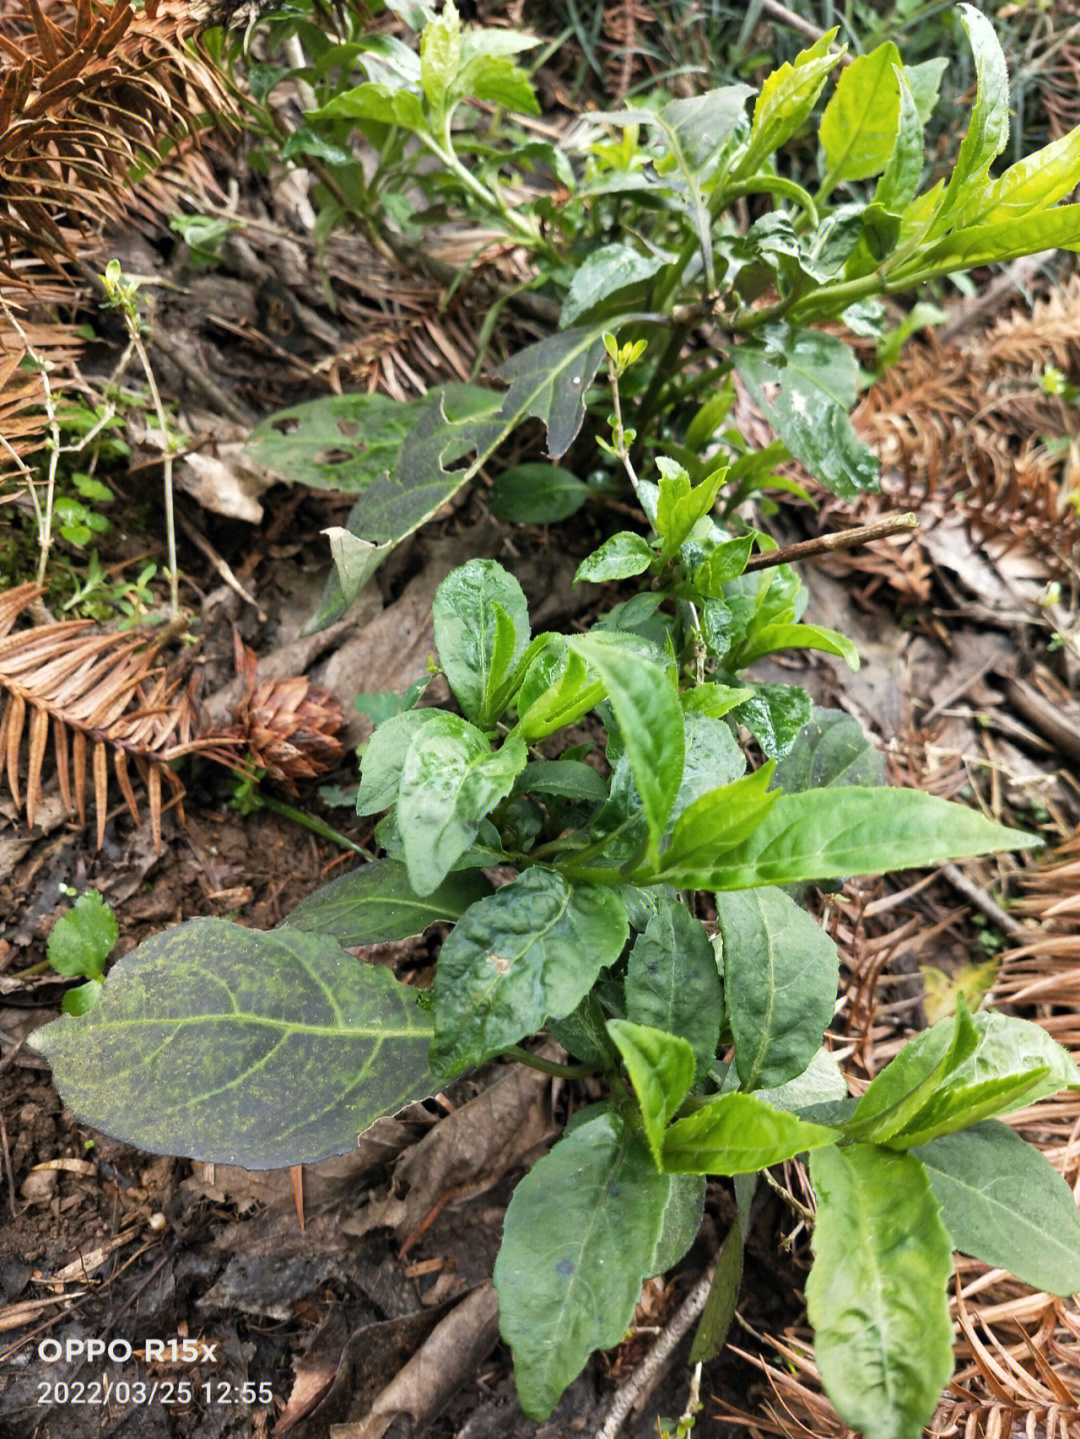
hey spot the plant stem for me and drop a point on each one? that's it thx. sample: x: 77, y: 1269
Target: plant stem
x: 258, y: 800
x: 829, y: 544
x: 550, y: 1066
x: 132, y: 322
x: 43, y: 518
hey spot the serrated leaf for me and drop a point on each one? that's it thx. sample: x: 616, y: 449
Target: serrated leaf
x: 817, y: 376
x: 578, y: 1241
x: 661, y: 1070
x: 82, y: 939
x: 831, y: 750
x: 529, y: 952
x: 375, y: 101
x: 924, y: 81
x: 1055, y: 229
x: 848, y: 831
x: 557, y: 690
x: 622, y: 555
x: 376, y: 903
x: 876, y: 1295
x: 739, y: 1134
x: 449, y: 783
x: 672, y: 982
x: 1004, y: 1203
x: 481, y: 625
x: 229, y: 1045
x: 859, y: 124
x: 603, y: 273
x: 988, y: 128
x: 902, y: 175
x: 1035, y: 182
x: 780, y: 977
x: 785, y: 101
x: 536, y: 494
x: 646, y: 706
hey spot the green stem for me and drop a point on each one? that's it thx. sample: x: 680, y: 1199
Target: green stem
x: 550, y: 1066
x: 317, y: 826
x: 771, y: 185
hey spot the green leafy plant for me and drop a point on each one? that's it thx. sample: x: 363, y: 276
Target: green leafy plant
x: 710, y: 1045
x: 646, y: 244
x: 79, y: 943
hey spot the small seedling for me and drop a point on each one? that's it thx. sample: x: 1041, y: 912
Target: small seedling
x: 80, y: 943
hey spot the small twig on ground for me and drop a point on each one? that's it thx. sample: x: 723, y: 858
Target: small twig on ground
x: 829, y: 544
x: 982, y: 901
x: 221, y: 565
x: 656, y: 1363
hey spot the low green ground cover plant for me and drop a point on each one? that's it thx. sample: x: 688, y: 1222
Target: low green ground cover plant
x: 268, y: 1049
x: 651, y: 920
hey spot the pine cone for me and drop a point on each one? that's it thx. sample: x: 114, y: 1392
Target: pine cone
x: 289, y: 726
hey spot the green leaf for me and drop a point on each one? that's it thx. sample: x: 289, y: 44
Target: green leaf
x: 704, y: 125
x: 605, y: 272
x: 831, y: 750
x: 82, y: 998
x: 988, y: 129
x: 530, y: 951
x: 775, y: 714
x: 847, y: 831
x: 496, y: 79
x: 680, y: 504
x: 646, y: 706
x: 82, y: 940
x: 904, y: 1085
x: 375, y: 102
x: 770, y: 638
x: 1004, y: 1203
x: 820, y: 1083
x: 725, y: 562
x: 1036, y: 182
x: 818, y: 378
x: 548, y: 381
x: 384, y: 755
x: 713, y: 825
x: 578, y: 1242
x: 672, y: 982
x: 229, y: 1045
x: 900, y: 180
x: 719, y: 1311
x: 682, y: 1220
x: 713, y: 700
x: 619, y: 557
x: 566, y: 778
x: 440, y: 56
x: 449, y: 782
x: 780, y: 976
x: 376, y: 903
x: 481, y: 622
x: 661, y: 1069
x: 713, y: 759
x: 859, y: 124
x: 536, y: 494
x: 738, y: 1134
x: 786, y: 99
x: 557, y: 690
x: 876, y: 1295
x: 924, y: 81
x: 1056, y: 229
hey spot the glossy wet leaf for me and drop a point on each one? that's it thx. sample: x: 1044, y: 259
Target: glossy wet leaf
x: 832, y: 749
x: 376, y: 903
x: 876, y: 1295
x: 481, y: 624
x: 775, y: 714
x: 1003, y: 1202
x: 449, y: 783
x: 82, y: 939
x: 230, y: 1045
x: 618, y: 558
x: 384, y: 754
x: 780, y: 976
x: 530, y: 951
x: 578, y: 1241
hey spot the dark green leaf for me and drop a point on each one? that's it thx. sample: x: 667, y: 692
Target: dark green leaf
x: 481, y: 623
x: 713, y: 759
x: 774, y: 715
x: 1003, y: 1202
x: 566, y: 778
x: 604, y: 272
x: 578, y: 1240
x: 780, y: 977
x: 672, y: 982
x: 528, y: 952
x: 376, y: 903
x: 384, y: 755
x: 719, y: 1311
x: 876, y: 1295
x: 817, y: 377
x: 682, y: 1220
x: 229, y: 1045
x: 536, y: 494
x: 831, y: 750
x: 646, y: 706
x: 738, y: 1134
x: 449, y: 782
x: 661, y: 1069
x: 821, y: 1083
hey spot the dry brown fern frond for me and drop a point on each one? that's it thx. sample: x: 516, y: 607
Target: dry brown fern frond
x: 89, y: 89
x: 95, y: 696
x: 24, y: 420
